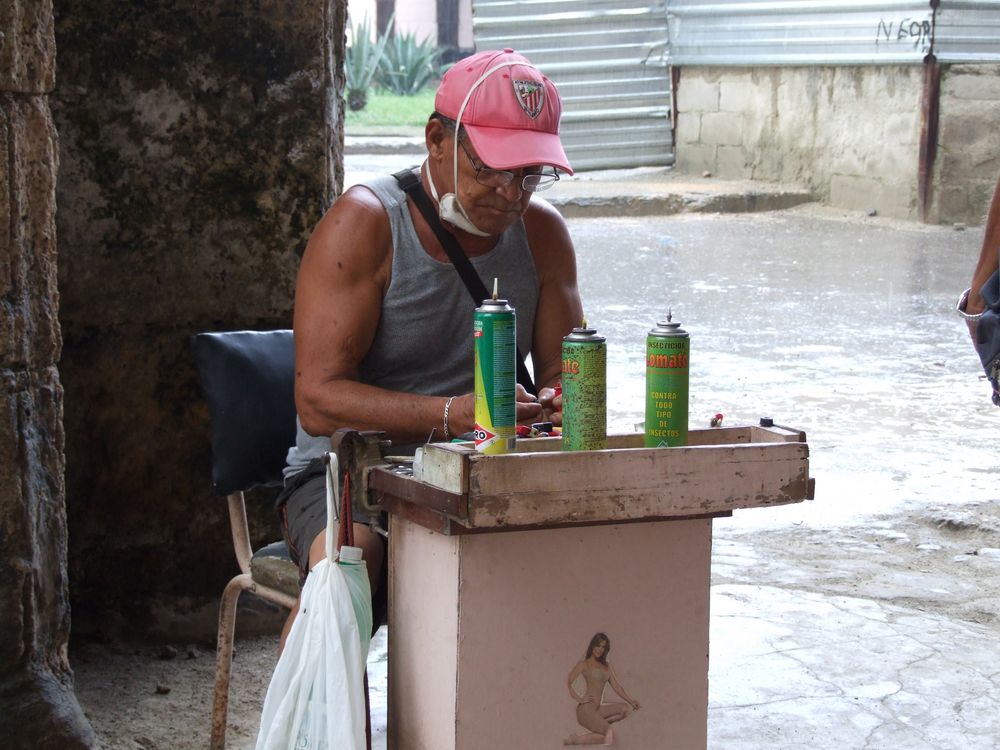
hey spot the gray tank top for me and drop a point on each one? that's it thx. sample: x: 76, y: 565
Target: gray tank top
x: 423, y: 342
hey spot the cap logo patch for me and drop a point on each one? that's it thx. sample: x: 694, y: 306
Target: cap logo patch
x: 530, y: 95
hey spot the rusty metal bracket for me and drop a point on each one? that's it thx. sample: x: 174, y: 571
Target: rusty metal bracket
x: 358, y: 452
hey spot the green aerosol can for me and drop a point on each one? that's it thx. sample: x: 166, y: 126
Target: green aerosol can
x: 584, y: 390
x: 668, y: 349
x: 495, y: 346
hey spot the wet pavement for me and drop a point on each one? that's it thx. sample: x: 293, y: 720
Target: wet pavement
x: 836, y: 324
x: 858, y: 619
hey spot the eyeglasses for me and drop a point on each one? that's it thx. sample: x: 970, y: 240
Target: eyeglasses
x: 532, y: 182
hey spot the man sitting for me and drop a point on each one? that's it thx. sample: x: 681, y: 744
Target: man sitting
x: 383, y: 322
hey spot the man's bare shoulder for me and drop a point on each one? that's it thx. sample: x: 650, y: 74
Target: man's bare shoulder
x: 358, y: 205
x: 548, y: 234
x: 356, y: 223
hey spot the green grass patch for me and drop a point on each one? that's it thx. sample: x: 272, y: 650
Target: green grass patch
x: 389, y: 114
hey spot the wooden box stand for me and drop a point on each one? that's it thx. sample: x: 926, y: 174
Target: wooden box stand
x: 504, y: 570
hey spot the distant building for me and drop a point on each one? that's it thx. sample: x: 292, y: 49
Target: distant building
x: 419, y: 17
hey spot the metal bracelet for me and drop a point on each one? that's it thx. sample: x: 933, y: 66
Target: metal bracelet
x: 447, y: 408
x: 960, y: 307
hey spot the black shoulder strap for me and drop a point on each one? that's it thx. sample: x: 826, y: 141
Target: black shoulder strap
x: 409, y: 181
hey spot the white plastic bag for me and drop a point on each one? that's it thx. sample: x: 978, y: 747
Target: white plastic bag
x: 316, y: 699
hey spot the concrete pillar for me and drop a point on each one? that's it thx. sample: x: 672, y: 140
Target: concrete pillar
x: 37, y: 706
x: 200, y: 143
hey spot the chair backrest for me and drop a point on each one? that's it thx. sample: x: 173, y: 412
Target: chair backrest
x: 249, y: 383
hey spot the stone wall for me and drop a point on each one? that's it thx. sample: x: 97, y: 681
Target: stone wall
x: 200, y: 143
x: 968, y: 158
x: 37, y: 705
x: 851, y: 135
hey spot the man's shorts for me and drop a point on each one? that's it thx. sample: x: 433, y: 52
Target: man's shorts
x: 301, y: 507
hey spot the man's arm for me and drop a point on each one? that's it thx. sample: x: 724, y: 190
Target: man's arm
x: 338, y: 300
x: 559, y: 308
x: 988, y: 257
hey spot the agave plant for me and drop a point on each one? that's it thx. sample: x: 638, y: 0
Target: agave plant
x: 407, y: 66
x: 362, y: 63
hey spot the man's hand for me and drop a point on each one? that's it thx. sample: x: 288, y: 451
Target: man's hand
x: 462, y: 414
x: 551, y: 403
x: 988, y: 259
x: 973, y: 306
x: 529, y: 410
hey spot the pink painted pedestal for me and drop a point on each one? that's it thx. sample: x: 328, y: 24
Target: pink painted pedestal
x: 504, y: 568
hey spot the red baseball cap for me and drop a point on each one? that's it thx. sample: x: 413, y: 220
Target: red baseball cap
x: 509, y: 109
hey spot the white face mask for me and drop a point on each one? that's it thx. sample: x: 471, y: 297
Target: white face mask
x: 451, y: 210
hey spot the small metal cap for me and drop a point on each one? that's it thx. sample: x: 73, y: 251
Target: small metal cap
x: 667, y: 327
x: 583, y: 335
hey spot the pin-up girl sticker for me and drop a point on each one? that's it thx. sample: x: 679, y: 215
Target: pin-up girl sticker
x: 592, y: 713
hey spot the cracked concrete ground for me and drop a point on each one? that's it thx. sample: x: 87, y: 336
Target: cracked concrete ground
x: 881, y: 636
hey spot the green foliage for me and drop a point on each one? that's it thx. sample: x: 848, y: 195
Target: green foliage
x: 361, y: 65
x: 390, y: 114
x: 407, y: 66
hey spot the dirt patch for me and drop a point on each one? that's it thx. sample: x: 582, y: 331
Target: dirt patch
x: 141, y: 696
x: 159, y: 697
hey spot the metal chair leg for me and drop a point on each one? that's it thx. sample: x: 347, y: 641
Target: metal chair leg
x: 224, y: 657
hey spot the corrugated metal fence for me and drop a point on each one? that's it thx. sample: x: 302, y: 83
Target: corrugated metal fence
x: 968, y: 31
x: 834, y: 32
x: 799, y: 32
x: 608, y: 58
x: 611, y: 58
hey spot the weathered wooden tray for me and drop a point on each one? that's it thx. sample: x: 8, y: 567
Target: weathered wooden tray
x: 720, y: 470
